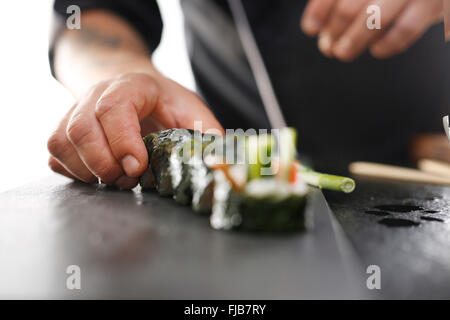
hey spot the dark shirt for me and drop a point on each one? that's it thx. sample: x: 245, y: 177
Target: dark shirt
x: 364, y: 110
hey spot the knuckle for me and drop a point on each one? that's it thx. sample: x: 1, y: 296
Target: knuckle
x: 345, y: 14
x: 119, y: 141
x: 56, y: 144
x: 113, y: 97
x: 147, y: 81
x: 124, y: 142
x: 127, y: 91
x: 77, y: 131
x: 105, y: 104
x: 123, y: 97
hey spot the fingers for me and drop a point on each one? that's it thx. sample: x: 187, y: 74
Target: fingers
x: 119, y: 110
x: 343, y: 32
x: 101, y: 136
x: 315, y: 15
x: 88, y: 139
x: 408, y: 28
x: 64, y: 153
x: 131, y: 99
x: 59, y: 168
x: 340, y: 19
x: 65, y: 160
x: 358, y: 37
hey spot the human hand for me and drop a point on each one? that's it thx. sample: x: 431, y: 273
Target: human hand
x: 342, y: 31
x: 101, y: 135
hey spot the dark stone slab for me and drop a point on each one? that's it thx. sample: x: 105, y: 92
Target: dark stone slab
x: 405, y: 229
x: 138, y: 245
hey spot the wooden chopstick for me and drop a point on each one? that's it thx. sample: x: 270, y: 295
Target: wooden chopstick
x: 377, y: 170
x: 435, y: 167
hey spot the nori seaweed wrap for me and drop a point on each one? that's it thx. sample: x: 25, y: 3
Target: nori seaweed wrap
x: 147, y: 180
x: 162, y: 148
x: 193, y: 174
x: 179, y: 169
x: 183, y: 192
x: 202, y: 176
x: 260, y: 194
x: 247, y: 182
x: 202, y: 184
x: 266, y: 204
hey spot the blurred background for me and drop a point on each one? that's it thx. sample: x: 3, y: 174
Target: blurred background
x: 32, y: 101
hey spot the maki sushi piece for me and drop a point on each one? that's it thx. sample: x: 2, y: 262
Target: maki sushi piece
x: 202, y: 176
x: 247, y: 198
x: 192, y: 169
x: 202, y: 185
x: 247, y: 182
x: 263, y: 205
x: 182, y: 185
x: 162, y: 149
x: 147, y: 180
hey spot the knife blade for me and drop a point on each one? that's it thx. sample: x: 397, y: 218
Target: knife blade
x: 446, y: 126
x: 259, y: 70
x: 346, y: 253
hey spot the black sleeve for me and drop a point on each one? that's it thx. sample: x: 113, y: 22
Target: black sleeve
x: 143, y: 15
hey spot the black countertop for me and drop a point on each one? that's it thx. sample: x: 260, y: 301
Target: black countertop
x: 404, y: 228
x: 138, y: 245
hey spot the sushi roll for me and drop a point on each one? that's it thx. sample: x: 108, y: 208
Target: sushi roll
x: 244, y: 182
x: 147, y: 180
x: 163, y: 152
x: 202, y: 176
x: 182, y: 185
x: 243, y: 198
x: 266, y: 204
x: 192, y: 168
x: 180, y: 168
x: 202, y: 185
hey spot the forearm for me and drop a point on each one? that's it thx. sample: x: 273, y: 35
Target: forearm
x: 105, y: 46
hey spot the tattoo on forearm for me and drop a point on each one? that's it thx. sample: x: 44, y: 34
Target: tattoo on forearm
x: 91, y: 43
x: 90, y: 36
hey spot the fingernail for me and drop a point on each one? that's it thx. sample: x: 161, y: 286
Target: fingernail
x: 343, y: 47
x: 125, y: 182
x: 325, y: 43
x: 130, y: 165
x: 311, y: 25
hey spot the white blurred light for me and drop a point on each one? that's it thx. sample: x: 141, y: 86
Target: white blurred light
x: 32, y: 102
